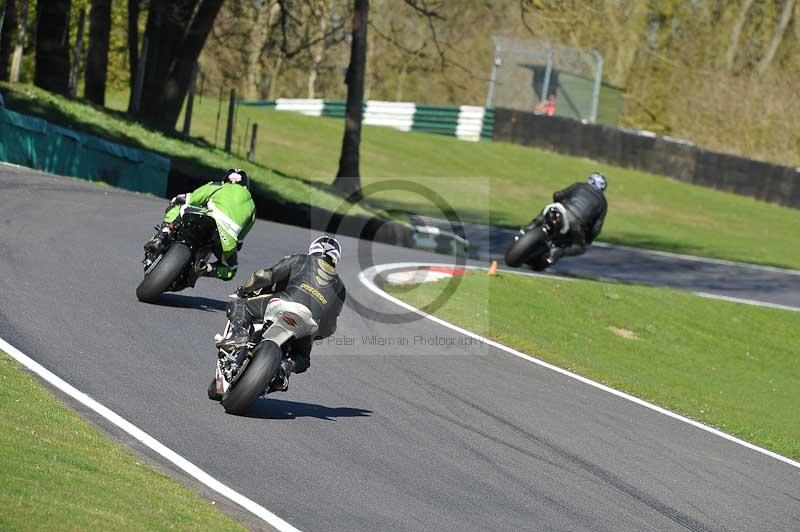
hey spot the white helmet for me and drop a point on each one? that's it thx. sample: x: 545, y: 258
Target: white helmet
x: 598, y: 181
x: 328, y: 248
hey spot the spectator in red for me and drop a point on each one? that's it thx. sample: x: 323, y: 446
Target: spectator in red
x: 546, y: 107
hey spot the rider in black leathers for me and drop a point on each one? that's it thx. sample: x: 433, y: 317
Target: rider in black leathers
x: 586, y: 207
x: 307, y: 279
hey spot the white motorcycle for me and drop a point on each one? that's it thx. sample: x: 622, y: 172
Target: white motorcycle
x: 243, y: 374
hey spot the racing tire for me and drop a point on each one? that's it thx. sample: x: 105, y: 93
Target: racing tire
x: 159, y: 279
x: 256, y: 375
x: 213, y: 394
x: 533, y: 242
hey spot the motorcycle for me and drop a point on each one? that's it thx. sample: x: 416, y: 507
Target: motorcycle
x: 243, y: 374
x: 184, y: 256
x: 534, y: 243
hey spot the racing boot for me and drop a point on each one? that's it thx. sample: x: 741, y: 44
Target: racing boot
x: 238, y: 337
x: 280, y: 383
x: 156, y: 244
x: 219, y: 271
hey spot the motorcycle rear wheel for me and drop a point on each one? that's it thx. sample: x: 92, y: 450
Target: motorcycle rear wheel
x: 164, y: 273
x: 256, y: 375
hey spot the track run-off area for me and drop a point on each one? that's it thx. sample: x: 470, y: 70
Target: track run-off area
x: 400, y: 424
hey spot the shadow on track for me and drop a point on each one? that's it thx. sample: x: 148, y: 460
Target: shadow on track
x: 265, y: 408
x: 195, y: 302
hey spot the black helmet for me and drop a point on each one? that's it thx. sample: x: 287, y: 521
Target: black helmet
x: 327, y: 248
x: 598, y: 181
x: 237, y: 176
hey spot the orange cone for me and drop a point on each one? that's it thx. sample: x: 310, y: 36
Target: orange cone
x: 493, y: 268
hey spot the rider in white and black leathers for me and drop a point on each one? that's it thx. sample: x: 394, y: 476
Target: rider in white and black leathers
x: 586, y: 206
x: 307, y: 279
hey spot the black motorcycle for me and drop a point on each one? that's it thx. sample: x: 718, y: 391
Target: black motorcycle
x: 184, y: 256
x: 243, y: 374
x: 534, y: 243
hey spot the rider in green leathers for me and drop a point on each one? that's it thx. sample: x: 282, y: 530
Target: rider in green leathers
x: 231, y: 207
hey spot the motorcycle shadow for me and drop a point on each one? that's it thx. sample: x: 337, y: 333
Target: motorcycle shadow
x: 267, y: 408
x: 193, y: 302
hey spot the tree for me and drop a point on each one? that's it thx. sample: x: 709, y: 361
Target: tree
x: 52, y: 45
x: 736, y: 32
x: 317, y: 52
x: 97, y: 60
x: 8, y: 29
x: 20, y: 42
x: 348, y: 178
x: 176, y: 33
x: 786, y: 16
x: 133, y: 48
x: 77, y: 56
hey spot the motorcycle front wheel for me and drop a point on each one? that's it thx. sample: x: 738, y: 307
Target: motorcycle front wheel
x: 159, y: 279
x: 253, y: 379
x: 527, y: 246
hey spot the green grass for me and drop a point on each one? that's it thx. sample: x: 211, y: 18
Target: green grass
x: 732, y: 366
x: 193, y: 157
x: 498, y: 183
x: 57, y: 472
x: 505, y: 184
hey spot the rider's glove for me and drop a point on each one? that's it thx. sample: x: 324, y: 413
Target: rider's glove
x: 179, y: 199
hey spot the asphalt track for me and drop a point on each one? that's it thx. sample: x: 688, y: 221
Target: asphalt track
x: 720, y: 278
x: 393, y: 437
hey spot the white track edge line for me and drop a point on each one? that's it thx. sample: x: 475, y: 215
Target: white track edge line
x: 558, y: 277
x: 144, y: 438
x: 369, y: 284
x: 695, y: 258
x: 746, y: 301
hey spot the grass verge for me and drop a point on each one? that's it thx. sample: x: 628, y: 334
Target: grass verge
x: 505, y: 184
x: 58, y: 472
x: 729, y: 365
x: 192, y: 157
x: 487, y: 182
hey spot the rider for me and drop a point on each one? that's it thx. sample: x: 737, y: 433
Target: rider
x: 231, y: 207
x: 586, y: 207
x: 310, y: 280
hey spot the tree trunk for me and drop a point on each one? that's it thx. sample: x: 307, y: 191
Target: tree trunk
x: 178, y: 82
x: 166, y: 25
x: 77, y: 54
x: 274, y: 76
x: 19, y: 44
x: 7, y: 38
x: 318, y: 50
x: 348, y: 179
x: 176, y: 35
x: 730, y: 57
x: 52, y: 46
x: 133, y: 48
x: 260, y: 29
x: 97, y: 59
x: 786, y: 17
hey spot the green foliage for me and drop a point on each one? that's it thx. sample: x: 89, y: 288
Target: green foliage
x: 728, y: 365
x: 118, y: 71
x: 669, y: 56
